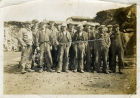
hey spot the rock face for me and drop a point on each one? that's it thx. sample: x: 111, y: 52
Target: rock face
x: 126, y: 18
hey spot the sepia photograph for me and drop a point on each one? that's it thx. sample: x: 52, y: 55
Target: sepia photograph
x: 69, y: 47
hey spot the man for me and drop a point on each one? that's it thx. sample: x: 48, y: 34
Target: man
x: 118, y: 44
x: 64, y: 39
x: 71, y: 29
x: 110, y: 31
x: 91, y: 38
x: 80, y: 42
x: 25, y: 38
x: 87, y: 55
x: 34, y: 30
x: 43, y: 43
x: 102, y: 46
x: 54, y: 34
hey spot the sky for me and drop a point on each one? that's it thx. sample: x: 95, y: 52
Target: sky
x: 58, y: 10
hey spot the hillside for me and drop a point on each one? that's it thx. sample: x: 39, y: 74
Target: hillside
x: 126, y: 18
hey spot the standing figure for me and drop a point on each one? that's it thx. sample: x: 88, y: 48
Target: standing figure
x: 54, y: 51
x: 64, y: 40
x: 71, y: 29
x: 43, y: 43
x: 34, y: 30
x: 118, y: 44
x: 87, y: 56
x: 25, y: 38
x: 110, y: 31
x: 101, y: 50
x: 80, y: 42
x: 91, y: 38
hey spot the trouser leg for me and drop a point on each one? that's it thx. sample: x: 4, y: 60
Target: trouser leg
x: 49, y: 58
x: 105, y: 57
x: 88, y: 60
x: 41, y: 59
x: 60, y: 59
x: 81, y: 57
x: 75, y: 57
x: 120, y: 59
x: 54, y: 54
x: 113, y: 62
x: 66, y: 58
x: 93, y: 58
x: 26, y: 58
x: 33, y: 52
x: 109, y: 58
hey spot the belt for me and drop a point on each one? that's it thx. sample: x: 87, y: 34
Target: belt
x: 45, y: 42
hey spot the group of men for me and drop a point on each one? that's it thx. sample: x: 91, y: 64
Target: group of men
x: 69, y: 46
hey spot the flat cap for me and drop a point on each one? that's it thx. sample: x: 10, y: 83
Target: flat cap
x: 64, y: 24
x: 102, y: 26
x: 116, y: 25
x: 109, y: 26
x: 35, y: 21
x: 51, y: 22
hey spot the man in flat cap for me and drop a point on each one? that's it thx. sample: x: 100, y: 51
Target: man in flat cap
x: 91, y: 38
x: 102, y: 46
x: 87, y: 59
x: 72, y: 30
x: 80, y: 41
x: 110, y: 31
x: 54, y: 34
x: 34, y: 29
x: 43, y: 43
x: 25, y: 38
x: 117, y: 47
x: 64, y: 40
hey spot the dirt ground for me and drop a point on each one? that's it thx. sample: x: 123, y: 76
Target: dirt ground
x: 66, y: 83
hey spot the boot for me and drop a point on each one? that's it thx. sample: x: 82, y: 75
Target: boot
x: 81, y: 71
x: 23, y: 71
x: 29, y: 70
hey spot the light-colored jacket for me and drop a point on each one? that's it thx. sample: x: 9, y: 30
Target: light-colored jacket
x: 25, y: 37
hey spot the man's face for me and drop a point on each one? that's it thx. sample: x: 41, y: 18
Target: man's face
x: 117, y: 28
x: 43, y: 27
x: 88, y: 28
x: 28, y: 26
x: 101, y: 30
x: 63, y: 28
x: 59, y: 27
x: 71, y: 27
x: 47, y: 26
x: 92, y: 28
x: 52, y: 25
x: 110, y: 29
x: 80, y: 28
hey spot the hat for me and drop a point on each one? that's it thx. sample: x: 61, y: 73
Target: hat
x: 79, y: 25
x: 109, y: 26
x: 35, y: 21
x: 92, y: 24
x: 51, y: 22
x: 116, y: 25
x: 102, y: 26
x: 64, y: 24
